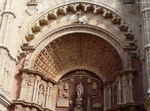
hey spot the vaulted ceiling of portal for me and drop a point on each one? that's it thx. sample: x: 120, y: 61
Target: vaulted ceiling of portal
x: 78, y: 49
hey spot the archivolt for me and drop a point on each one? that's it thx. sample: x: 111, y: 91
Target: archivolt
x: 76, y: 28
x: 44, y: 20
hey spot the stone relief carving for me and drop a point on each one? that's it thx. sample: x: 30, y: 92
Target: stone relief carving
x: 66, y: 90
x: 41, y: 95
x: 30, y: 84
x: 79, y: 19
x: 32, y: 7
x: 94, y: 86
x: 36, y: 90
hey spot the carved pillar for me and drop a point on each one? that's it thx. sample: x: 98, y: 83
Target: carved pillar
x: 109, y: 95
x: 119, y: 88
x: 125, y: 89
x: 105, y: 97
x: 23, y: 86
x: 30, y: 85
x: 54, y: 92
x: 44, y: 97
x: 48, y: 95
x: 145, y: 12
x: 35, y: 89
x: 130, y: 86
x: 7, y: 23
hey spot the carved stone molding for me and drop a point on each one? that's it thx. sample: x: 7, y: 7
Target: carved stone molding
x: 4, y: 100
x: 36, y: 92
x: 21, y: 105
x: 9, y: 54
x: 38, y: 73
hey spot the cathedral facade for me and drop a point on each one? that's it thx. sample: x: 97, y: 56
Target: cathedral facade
x: 75, y: 55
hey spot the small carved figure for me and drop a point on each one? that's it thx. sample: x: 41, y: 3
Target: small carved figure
x: 41, y: 95
x: 94, y: 86
x: 79, y: 90
x: 66, y: 94
x: 78, y: 108
x: 59, y: 93
x: 30, y: 83
x: 66, y: 86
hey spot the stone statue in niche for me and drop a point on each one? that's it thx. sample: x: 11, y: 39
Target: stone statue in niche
x: 66, y: 86
x: 41, y: 95
x: 78, y: 18
x: 30, y: 83
x: 66, y: 90
x: 78, y: 108
x: 94, y: 86
x: 80, y: 90
x: 66, y: 94
x: 59, y: 93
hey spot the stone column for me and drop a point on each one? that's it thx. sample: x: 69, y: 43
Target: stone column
x: 119, y: 88
x: 30, y: 85
x: 105, y: 97
x: 124, y: 89
x: 109, y: 95
x: 53, y: 95
x: 35, y: 89
x: 23, y: 86
x: 130, y: 86
x: 48, y: 95
x: 145, y: 12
